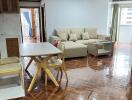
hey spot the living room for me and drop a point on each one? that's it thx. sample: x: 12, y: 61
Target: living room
x: 82, y: 38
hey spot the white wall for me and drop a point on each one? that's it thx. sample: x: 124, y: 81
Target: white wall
x: 76, y: 13
x: 9, y: 27
x: 10, y: 24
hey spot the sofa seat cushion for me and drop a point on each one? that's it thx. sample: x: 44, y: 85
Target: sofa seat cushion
x: 88, y: 41
x: 73, y: 49
x: 71, y: 44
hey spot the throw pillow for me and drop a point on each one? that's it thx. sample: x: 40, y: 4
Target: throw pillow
x: 56, y: 42
x: 85, y: 36
x: 72, y: 37
x: 93, y: 35
x: 63, y: 36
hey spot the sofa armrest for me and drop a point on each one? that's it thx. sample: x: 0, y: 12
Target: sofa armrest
x: 104, y: 37
x: 54, y: 38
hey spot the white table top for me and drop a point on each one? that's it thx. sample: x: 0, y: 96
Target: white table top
x: 38, y: 49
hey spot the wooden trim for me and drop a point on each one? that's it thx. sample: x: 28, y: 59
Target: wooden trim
x: 9, y: 6
x: 12, y: 47
x: 33, y: 23
x: 41, y: 39
x: 29, y: 1
x: 43, y: 23
x: 29, y: 4
x: 1, y: 6
x: 29, y: 7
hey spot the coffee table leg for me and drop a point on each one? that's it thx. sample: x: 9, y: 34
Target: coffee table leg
x: 37, y: 71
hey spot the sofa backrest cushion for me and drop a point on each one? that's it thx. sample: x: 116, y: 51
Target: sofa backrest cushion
x: 78, y: 32
x: 92, y: 32
x: 62, y: 33
x: 85, y: 36
x: 72, y: 37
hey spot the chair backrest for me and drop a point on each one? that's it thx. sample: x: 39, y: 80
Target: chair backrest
x: 61, y: 46
x: 9, y: 60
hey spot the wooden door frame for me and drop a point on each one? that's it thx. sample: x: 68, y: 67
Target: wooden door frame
x: 39, y: 22
x: 43, y: 23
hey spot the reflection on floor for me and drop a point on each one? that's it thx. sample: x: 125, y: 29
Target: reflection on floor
x: 90, y: 78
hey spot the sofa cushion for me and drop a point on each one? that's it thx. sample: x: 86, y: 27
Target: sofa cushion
x: 73, y: 49
x: 92, y: 32
x: 85, y: 36
x: 88, y: 41
x: 72, y: 37
x: 93, y: 36
x: 78, y: 32
x: 63, y: 33
x: 82, y: 42
x: 71, y: 44
x: 63, y: 36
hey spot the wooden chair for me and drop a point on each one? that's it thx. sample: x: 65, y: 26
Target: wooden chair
x: 11, y: 66
x: 57, y: 62
x: 9, y: 60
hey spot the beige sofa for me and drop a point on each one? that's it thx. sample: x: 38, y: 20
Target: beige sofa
x: 76, y: 40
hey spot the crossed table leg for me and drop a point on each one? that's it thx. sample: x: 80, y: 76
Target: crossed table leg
x: 41, y: 64
x: 26, y: 70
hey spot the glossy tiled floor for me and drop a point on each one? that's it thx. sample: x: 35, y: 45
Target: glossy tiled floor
x: 90, y: 78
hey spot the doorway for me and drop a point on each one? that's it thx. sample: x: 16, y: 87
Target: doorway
x: 30, y: 22
x: 125, y: 25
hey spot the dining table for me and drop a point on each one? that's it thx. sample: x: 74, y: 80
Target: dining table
x: 38, y: 52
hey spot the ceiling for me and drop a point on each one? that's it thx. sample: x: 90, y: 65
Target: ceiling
x: 31, y: 0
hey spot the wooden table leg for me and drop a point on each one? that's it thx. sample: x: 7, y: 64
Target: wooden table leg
x: 48, y: 72
x: 26, y: 70
x: 37, y: 71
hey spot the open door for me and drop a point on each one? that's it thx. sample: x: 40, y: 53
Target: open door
x: 30, y: 22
